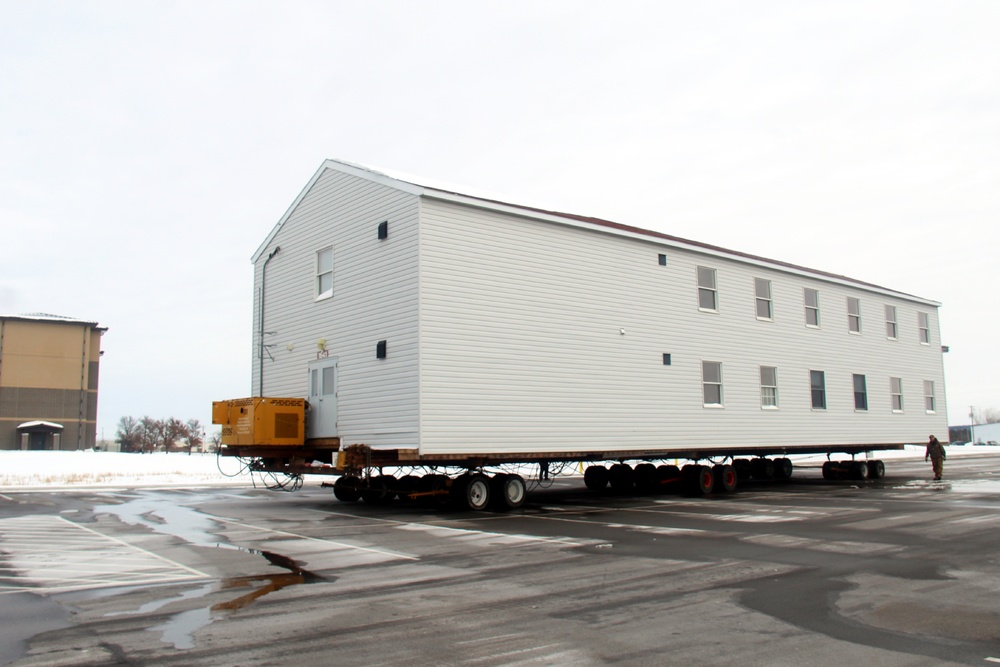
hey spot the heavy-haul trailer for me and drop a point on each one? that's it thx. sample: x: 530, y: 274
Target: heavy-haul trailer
x: 424, y: 328
x: 268, y: 434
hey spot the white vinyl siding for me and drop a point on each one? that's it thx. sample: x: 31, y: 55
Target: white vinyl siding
x: 811, y: 298
x: 762, y: 298
x: 376, y: 299
x: 509, y: 332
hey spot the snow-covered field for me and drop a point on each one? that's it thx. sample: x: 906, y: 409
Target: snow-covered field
x: 48, y: 470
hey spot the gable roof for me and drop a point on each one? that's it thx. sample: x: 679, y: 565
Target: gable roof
x: 423, y: 187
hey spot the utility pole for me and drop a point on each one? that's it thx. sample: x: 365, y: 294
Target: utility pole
x: 972, y: 425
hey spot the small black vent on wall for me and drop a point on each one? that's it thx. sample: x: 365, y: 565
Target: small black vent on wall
x: 380, y: 350
x: 666, y: 359
x: 663, y: 260
x: 383, y: 230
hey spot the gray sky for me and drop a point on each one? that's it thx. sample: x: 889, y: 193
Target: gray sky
x: 147, y: 148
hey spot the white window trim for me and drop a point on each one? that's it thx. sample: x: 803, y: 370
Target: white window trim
x: 769, y: 299
x: 826, y: 399
x: 819, y: 321
x: 894, y: 322
x: 777, y: 400
x: 892, y: 395
x: 328, y: 294
x: 850, y: 315
x: 868, y: 403
x: 922, y: 329
x: 722, y: 396
x: 714, y: 288
x: 932, y: 396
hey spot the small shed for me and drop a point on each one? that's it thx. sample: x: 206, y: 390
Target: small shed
x: 416, y: 316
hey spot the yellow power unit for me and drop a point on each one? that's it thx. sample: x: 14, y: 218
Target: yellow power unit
x: 261, y: 421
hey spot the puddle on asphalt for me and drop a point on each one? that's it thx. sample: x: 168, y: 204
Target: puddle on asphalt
x: 164, y: 515
x: 958, y: 486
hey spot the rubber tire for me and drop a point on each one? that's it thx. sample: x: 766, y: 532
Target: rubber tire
x: 596, y: 478
x: 762, y: 469
x: 432, y: 482
x: 380, y: 490
x: 859, y: 470
x: 347, y: 488
x: 742, y: 467
x: 700, y: 480
x: 783, y: 469
x: 507, y: 491
x: 406, y: 485
x: 725, y: 478
x: 876, y: 469
x: 622, y: 478
x: 645, y: 478
x: 470, y: 491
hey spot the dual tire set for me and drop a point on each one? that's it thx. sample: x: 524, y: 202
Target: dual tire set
x: 470, y: 491
x: 859, y: 470
x: 646, y: 478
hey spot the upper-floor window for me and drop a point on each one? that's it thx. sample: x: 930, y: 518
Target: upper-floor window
x: 817, y: 383
x: 853, y: 314
x: 860, y: 393
x: 768, y: 387
x: 924, y: 327
x: 708, y: 298
x: 891, y: 330
x: 324, y: 273
x: 812, y: 307
x: 762, y: 291
x: 896, y: 393
x: 930, y: 405
x: 711, y: 374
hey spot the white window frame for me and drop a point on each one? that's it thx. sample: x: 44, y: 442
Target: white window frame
x: 924, y: 328
x: 764, y: 300
x: 324, y: 273
x: 861, y: 392
x: 813, y: 388
x: 896, y: 394
x: 930, y: 402
x: 769, y: 388
x: 710, y: 381
x: 711, y: 290
x: 811, y: 308
x: 853, y: 316
x: 891, y: 323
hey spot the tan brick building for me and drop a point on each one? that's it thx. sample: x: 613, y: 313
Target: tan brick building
x: 49, y: 368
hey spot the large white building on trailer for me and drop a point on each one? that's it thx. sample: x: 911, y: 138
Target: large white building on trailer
x: 418, y: 318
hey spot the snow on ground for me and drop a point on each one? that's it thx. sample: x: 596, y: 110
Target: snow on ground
x: 52, y: 470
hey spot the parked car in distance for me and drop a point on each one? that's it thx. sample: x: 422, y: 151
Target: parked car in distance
x: 955, y: 444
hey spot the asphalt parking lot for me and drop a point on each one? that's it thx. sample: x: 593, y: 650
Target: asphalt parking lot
x: 899, y: 571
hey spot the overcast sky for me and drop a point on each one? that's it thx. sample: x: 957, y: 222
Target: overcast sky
x: 148, y: 148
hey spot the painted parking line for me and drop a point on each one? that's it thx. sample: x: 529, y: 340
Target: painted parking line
x: 50, y: 554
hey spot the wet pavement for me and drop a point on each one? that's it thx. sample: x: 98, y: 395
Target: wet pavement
x: 900, y: 571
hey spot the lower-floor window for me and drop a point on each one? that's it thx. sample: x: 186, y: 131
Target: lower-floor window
x: 711, y: 374
x: 896, y: 392
x: 929, y: 402
x: 817, y: 382
x: 860, y: 393
x: 768, y: 387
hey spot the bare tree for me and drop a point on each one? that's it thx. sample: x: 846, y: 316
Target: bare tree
x: 989, y: 416
x: 216, y: 440
x: 195, y: 434
x: 152, y: 433
x: 174, y: 430
x: 129, y: 434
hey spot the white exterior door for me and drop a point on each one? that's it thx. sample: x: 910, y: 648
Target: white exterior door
x: 322, y: 422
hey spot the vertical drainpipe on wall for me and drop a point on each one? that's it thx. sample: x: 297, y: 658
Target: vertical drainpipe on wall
x: 83, y: 389
x: 260, y: 353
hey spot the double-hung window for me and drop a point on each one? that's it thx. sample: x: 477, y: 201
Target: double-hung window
x: 853, y: 314
x: 924, y: 327
x: 708, y: 297
x: 811, y: 297
x: 860, y: 393
x: 896, y: 393
x: 817, y: 383
x: 762, y: 292
x: 930, y: 405
x: 711, y: 375
x: 891, y: 329
x: 324, y: 273
x: 768, y: 387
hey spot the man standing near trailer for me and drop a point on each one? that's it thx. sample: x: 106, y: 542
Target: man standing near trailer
x: 935, y: 452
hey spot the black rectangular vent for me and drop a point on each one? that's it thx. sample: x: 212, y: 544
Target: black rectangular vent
x: 383, y: 230
x: 666, y: 359
x: 380, y: 350
x: 663, y: 260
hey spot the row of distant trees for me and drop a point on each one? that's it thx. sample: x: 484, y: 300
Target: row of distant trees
x: 166, y: 435
x: 986, y: 416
